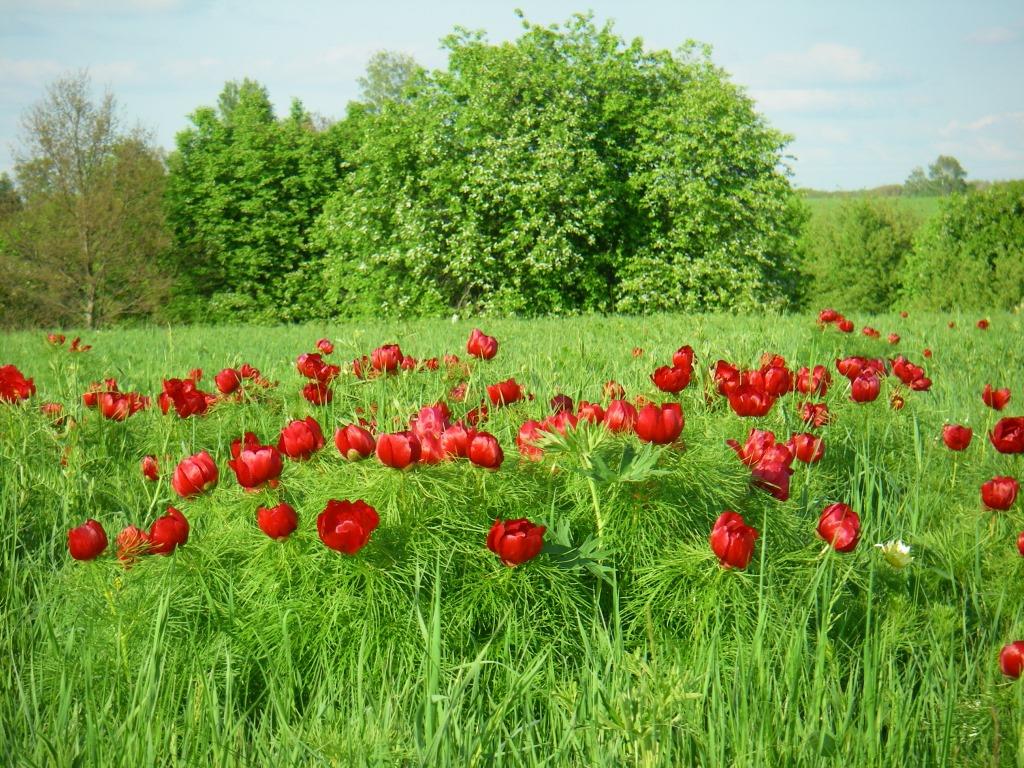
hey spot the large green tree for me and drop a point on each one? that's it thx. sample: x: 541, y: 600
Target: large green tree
x: 568, y: 170
x: 81, y: 243
x: 244, y: 189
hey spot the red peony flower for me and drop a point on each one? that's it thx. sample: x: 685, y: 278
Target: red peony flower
x: 132, y: 543
x: 683, y: 358
x: 956, y: 437
x: 168, y: 532
x: 659, y: 424
x: 194, y: 475
x: 999, y: 493
x: 485, y: 451
x: 277, y: 522
x: 870, y: 332
x: 806, y: 447
x: 227, y: 381
x: 839, y: 525
x: 894, y: 338
x: 865, y: 388
x: 620, y: 416
x: 1011, y: 659
x: 455, y: 441
x: 515, y: 541
x: 56, y: 339
x: 318, y: 393
x: 399, y: 450
x: 749, y: 399
x: 561, y: 403
x: 995, y: 398
x: 87, y: 541
x: 118, y: 406
x: 672, y: 379
x: 983, y: 325
x: 481, y: 345
x: 732, y: 540
x: 815, y: 413
x: 814, y: 382
x: 300, y: 439
x: 14, y: 386
x: 346, y: 526
x: 256, y: 465
x: 591, y: 412
x: 1008, y: 435
x: 504, y: 392
x: 325, y: 346
x: 354, y: 442
x: 828, y: 316
x: 612, y: 390
x: 149, y: 468
x: 387, y: 358
x: 527, y: 438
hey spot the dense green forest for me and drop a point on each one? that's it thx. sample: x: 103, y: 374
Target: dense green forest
x: 568, y: 171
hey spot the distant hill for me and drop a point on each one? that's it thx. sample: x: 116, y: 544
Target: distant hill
x: 886, y: 190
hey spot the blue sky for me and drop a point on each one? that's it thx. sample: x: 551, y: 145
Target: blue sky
x: 868, y: 89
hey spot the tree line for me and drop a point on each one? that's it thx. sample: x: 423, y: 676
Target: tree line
x: 566, y: 171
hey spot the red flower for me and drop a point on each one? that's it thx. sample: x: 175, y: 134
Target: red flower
x: 1008, y: 435
x: 612, y: 390
x: 827, y: 316
x: 77, y: 346
x: 591, y: 412
x: 256, y: 465
x: 807, y: 448
x: 927, y: 352
x: 318, y: 393
x: 999, y: 493
x: 638, y: 352
x: 455, y: 441
x: 759, y: 443
x: 527, y: 438
x: 870, y: 332
x: 346, y: 526
x: 683, y: 358
x: 118, y: 406
x: 187, y: 400
x: 431, y: 450
x: 149, y: 468
x: 894, y: 338
x: 995, y: 398
x: 515, y: 541
x: 983, y: 325
x: 485, y: 451
x: 194, y: 475
x: 430, y: 420
x: 956, y: 437
x: 54, y: 412
x: 840, y: 527
x: 659, y: 424
x: 354, y: 442
x: 814, y: 382
x: 1020, y: 543
x: 773, y: 477
x: 732, y: 540
x: 167, y: 532
x: 620, y: 416
x: 398, y: 450
x: 300, y: 439
x: 726, y: 376
x: 865, y: 388
x: 481, y: 345
x: 844, y: 325
x: 14, y: 386
x: 671, y: 380
x: 312, y: 366
x: 87, y: 541
x: 277, y: 522
x: 504, y: 392
x: 386, y: 358
x: 561, y: 403
x: 132, y: 543
x: 227, y: 381
x: 56, y: 339
x: 1011, y: 659
x: 896, y: 401
x: 325, y: 346
x: 815, y: 413
x: 904, y: 314
x: 747, y: 399
x: 952, y: 324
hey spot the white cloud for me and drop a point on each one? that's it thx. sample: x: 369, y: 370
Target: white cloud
x: 825, y: 63
x: 990, y: 138
x: 28, y: 71
x: 994, y: 35
x: 808, y: 99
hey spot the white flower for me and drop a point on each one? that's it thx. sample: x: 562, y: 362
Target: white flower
x: 896, y: 553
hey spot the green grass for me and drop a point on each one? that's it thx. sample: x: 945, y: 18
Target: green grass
x: 423, y: 649
x: 922, y: 207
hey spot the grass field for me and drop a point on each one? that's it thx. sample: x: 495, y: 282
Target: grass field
x: 627, y: 645
x: 922, y: 207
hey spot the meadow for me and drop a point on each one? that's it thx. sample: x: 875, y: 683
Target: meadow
x: 625, y: 641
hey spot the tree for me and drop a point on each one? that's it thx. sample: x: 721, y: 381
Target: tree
x: 388, y: 74
x: 85, y: 241
x: 565, y: 171
x: 244, y: 188
x: 947, y: 175
x: 917, y: 184
x: 971, y: 255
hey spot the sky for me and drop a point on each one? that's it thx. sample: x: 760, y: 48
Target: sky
x: 868, y: 90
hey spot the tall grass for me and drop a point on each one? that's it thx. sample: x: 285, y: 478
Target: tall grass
x: 629, y: 648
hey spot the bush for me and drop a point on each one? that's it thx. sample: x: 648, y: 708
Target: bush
x: 566, y: 171
x: 854, y: 255
x: 971, y: 256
